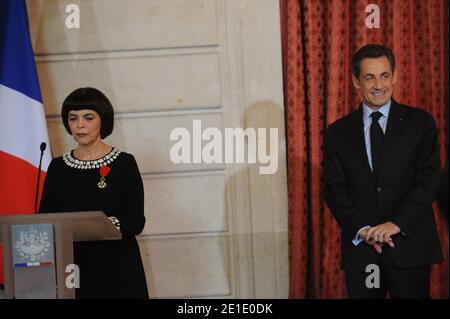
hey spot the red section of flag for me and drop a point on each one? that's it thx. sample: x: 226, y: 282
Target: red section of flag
x: 17, y: 189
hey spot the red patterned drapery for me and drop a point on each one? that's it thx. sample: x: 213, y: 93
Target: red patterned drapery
x: 319, y: 38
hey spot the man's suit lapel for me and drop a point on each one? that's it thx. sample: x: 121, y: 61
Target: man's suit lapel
x: 394, y: 129
x: 356, y: 134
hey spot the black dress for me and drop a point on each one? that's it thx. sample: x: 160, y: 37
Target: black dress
x: 108, y: 269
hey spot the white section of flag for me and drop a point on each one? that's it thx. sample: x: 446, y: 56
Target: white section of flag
x: 23, y: 127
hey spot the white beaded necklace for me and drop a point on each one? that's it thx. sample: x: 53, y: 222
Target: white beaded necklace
x: 79, y: 164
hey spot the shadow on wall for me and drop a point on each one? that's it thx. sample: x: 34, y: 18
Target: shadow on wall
x: 260, y: 225
x: 248, y: 257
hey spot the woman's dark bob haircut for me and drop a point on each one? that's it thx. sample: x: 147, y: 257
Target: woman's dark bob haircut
x: 89, y: 99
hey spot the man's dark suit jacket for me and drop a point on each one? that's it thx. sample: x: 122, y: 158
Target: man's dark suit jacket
x: 402, y: 192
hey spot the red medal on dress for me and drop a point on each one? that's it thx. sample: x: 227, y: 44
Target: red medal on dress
x: 104, y: 171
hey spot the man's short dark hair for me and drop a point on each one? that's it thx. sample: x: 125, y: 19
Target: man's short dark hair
x: 89, y: 99
x: 371, y: 51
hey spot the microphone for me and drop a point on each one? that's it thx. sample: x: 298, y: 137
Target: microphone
x: 42, y: 147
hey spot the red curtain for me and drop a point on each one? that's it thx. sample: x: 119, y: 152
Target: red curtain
x: 319, y: 38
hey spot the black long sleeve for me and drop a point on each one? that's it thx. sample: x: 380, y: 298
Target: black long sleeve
x: 413, y: 206
x: 133, y: 219
x: 334, y: 190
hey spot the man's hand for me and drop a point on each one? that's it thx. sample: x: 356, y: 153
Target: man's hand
x: 382, y: 233
x: 377, y: 246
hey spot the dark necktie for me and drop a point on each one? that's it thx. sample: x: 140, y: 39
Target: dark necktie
x: 376, y: 140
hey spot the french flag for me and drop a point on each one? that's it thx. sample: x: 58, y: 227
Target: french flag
x: 22, y: 118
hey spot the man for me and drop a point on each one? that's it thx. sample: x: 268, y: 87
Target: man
x: 380, y: 174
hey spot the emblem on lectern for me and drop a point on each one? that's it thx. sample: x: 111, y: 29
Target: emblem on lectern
x: 33, y: 245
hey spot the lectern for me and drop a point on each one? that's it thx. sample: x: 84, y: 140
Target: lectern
x: 38, y: 251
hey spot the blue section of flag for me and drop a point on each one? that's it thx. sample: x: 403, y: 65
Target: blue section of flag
x: 17, y: 66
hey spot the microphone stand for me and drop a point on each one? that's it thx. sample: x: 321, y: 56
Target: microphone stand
x: 42, y: 147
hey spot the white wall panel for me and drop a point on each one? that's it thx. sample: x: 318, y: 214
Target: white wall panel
x: 179, y: 267
x: 136, y: 83
x: 185, y: 203
x: 111, y: 25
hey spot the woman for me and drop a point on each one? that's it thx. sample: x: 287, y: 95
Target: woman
x: 96, y: 176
